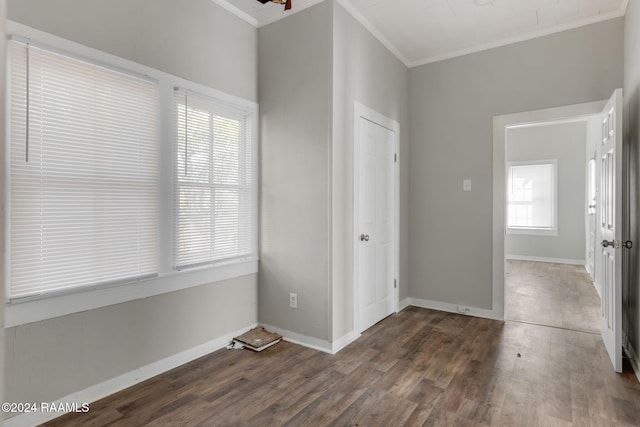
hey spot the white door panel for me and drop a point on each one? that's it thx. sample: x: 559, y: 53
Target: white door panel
x: 375, y: 186
x: 367, y: 198
x: 384, y: 274
x: 367, y: 293
x: 610, y: 210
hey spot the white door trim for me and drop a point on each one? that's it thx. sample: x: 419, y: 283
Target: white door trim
x: 500, y: 124
x: 362, y: 111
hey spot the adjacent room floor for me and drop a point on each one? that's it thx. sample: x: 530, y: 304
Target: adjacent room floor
x: 559, y: 295
x: 418, y: 367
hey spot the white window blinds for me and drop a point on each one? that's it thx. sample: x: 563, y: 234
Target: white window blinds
x: 215, y: 208
x: 83, y: 181
x: 531, y: 195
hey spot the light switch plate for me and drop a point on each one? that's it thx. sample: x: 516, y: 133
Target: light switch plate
x: 466, y: 185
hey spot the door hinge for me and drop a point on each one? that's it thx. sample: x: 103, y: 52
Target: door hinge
x: 395, y: 157
x: 395, y: 283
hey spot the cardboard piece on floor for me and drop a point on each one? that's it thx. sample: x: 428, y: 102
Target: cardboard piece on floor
x: 258, y: 339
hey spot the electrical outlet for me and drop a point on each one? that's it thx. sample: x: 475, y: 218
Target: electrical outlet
x: 293, y: 300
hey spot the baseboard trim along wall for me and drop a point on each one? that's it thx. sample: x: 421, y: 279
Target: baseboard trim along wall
x: 314, y: 343
x: 452, y: 308
x: 341, y: 343
x: 403, y: 304
x: 123, y: 381
x: 545, y: 259
x: 633, y: 358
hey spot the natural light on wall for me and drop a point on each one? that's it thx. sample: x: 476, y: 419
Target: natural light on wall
x: 532, y: 197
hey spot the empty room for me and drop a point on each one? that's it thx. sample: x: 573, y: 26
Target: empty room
x: 320, y: 212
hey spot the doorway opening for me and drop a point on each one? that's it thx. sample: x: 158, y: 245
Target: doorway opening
x: 608, y: 214
x: 546, y: 242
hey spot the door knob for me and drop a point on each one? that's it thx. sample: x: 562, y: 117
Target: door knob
x: 364, y: 237
x: 592, y: 206
x: 607, y: 243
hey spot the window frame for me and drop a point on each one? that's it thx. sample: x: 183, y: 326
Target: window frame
x: 38, y: 308
x: 213, y: 108
x: 529, y: 230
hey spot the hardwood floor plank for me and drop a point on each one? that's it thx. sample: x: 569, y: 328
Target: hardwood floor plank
x: 442, y: 418
x: 376, y: 408
x: 146, y: 414
x: 420, y: 415
x: 326, y: 408
x: 289, y: 406
x: 417, y: 367
x: 189, y: 414
x: 424, y: 393
x: 96, y: 418
x: 552, y: 294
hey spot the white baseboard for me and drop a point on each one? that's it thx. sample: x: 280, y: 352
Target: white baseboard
x: 633, y: 358
x: 314, y: 343
x: 341, y: 343
x: 595, y: 286
x: 545, y: 259
x: 454, y: 308
x: 404, y: 304
x: 303, y: 340
x: 123, y: 381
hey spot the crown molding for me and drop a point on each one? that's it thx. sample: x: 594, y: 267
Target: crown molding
x: 373, y: 30
x: 269, y: 16
x: 298, y: 6
x: 524, y: 37
x: 237, y: 12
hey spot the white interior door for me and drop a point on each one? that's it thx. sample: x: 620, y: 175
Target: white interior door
x: 375, y: 222
x: 610, y: 215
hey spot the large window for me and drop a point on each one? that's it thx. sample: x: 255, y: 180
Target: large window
x: 83, y: 181
x: 124, y: 181
x: 531, y: 197
x: 214, y: 193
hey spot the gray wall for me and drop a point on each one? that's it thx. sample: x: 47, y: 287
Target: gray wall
x: 451, y: 106
x: 53, y: 358
x: 631, y: 294
x: 567, y: 144
x: 3, y: 12
x: 308, y: 84
x: 196, y: 40
x: 295, y: 107
x: 363, y: 71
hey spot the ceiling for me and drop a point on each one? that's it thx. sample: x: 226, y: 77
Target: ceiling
x: 423, y: 31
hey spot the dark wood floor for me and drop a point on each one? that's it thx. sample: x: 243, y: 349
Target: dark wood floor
x: 419, y: 367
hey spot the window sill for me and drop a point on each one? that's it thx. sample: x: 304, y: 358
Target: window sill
x: 34, y: 310
x: 532, y: 231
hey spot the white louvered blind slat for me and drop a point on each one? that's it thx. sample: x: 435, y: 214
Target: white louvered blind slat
x: 214, y: 204
x: 83, y: 178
